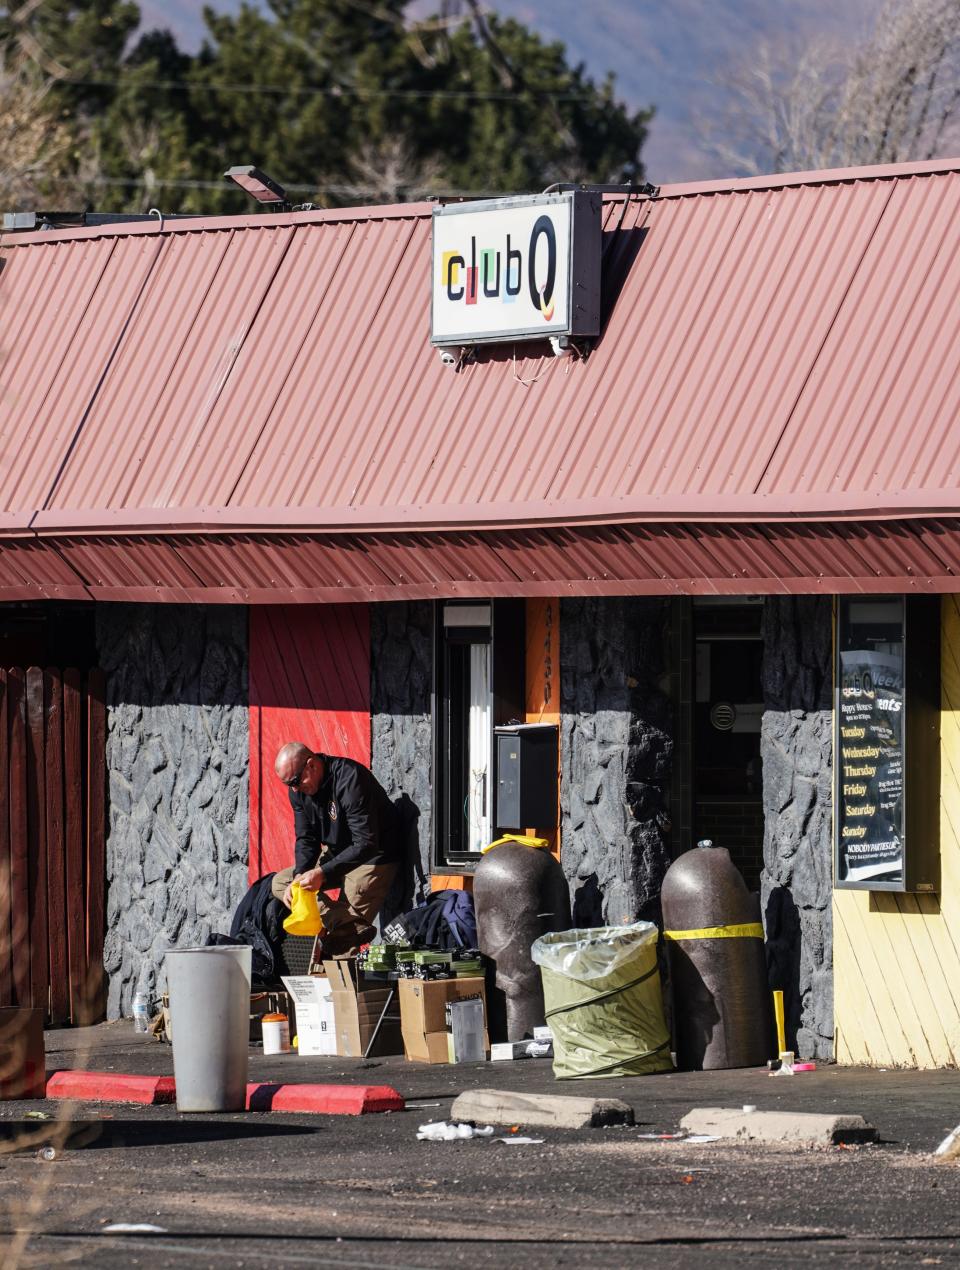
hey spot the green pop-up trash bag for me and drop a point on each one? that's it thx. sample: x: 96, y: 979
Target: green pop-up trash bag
x: 604, y: 1003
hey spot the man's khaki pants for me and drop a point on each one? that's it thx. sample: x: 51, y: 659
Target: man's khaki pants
x: 348, y: 921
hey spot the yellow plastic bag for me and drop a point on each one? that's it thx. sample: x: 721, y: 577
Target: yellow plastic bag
x: 304, y: 916
x: 524, y: 839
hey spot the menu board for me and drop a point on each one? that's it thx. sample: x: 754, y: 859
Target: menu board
x: 869, y: 742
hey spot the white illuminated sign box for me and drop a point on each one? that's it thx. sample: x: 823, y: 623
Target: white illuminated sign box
x: 516, y: 268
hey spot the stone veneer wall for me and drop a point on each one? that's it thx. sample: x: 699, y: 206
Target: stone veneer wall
x: 616, y: 751
x: 177, y: 766
x: 401, y: 660
x: 796, y: 745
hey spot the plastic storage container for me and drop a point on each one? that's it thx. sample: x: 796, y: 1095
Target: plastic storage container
x: 604, y: 1001
x: 210, y: 1017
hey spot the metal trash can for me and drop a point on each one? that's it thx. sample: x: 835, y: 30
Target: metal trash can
x: 210, y: 1017
x: 601, y: 986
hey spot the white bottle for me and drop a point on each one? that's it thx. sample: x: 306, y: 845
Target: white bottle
x: 276, y: 1034
x: 141, y: 1012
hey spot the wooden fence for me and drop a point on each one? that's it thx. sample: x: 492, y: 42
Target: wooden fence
x: 52, y: 841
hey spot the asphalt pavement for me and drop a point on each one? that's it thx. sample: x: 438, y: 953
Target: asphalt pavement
x: 274, y: 1189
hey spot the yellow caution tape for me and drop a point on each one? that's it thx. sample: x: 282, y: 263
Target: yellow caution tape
x: 747, y: 930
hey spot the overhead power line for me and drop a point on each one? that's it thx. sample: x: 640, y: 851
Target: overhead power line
x: 183, y: 183
x: 536, y: 95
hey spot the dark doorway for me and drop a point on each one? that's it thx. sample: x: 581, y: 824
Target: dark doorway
x: 727, y: 708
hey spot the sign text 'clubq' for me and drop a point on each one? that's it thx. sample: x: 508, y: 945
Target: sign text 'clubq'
x: 519, y: 268
x: 499, y: 272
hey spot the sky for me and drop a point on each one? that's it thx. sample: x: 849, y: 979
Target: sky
x: 672, y: 54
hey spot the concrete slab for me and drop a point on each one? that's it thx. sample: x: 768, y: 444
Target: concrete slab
x: 913, y: 1109
x: 795, y: 1128
x: 548, y: 1111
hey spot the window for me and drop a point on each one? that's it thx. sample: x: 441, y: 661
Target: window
x: 479, y: 683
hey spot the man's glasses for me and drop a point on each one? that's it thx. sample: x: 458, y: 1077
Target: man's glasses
x: 294, y: 781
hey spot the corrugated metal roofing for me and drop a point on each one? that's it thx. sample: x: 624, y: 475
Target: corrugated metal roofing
x: 914, y: 555
x: 774, y: 349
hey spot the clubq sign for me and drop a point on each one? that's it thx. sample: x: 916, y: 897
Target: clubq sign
x: 516, y: 269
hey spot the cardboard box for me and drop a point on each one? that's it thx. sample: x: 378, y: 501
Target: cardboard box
x: 23, y: 1066
x: 423, y: 1015
x: 315, y: 1030
x: 358, y: 1004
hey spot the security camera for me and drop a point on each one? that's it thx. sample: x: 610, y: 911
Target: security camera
x: 560, y: 345
x: 448, y: 357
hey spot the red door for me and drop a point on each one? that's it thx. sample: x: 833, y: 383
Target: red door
x: 310, y: 682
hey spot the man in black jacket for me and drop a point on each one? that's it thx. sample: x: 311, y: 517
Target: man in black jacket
x: 346, y: 838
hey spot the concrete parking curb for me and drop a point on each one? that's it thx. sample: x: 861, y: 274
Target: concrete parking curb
x: 792, y: 1128
x: 112, y: 1087
x: 549, y: 1111
x: 331, y: 1100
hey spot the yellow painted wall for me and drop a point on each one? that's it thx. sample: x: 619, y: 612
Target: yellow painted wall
x: 897, y: 957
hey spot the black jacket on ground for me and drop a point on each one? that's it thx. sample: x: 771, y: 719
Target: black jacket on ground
x: 351, y: 815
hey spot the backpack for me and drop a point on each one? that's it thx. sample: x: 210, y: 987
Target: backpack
x: 257, y: 922
x: 445, y: 920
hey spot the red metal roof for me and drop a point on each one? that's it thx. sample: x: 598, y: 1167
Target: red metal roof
x: 251, y: 405
x: 921, y: 555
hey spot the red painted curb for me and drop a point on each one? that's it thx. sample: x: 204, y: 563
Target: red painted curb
x: 331, y: 1100
x: 112, y: 1087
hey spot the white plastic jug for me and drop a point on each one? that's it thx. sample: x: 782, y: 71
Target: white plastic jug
x: 276, y: 1034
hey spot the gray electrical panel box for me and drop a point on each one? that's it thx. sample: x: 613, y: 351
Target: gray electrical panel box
x: 526, y: 776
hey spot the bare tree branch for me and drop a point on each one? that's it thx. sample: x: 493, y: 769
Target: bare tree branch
x: 33, y: 140
x: 892, y: 100
x: 390, y: 173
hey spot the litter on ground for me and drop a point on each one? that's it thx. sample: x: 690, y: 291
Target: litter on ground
x: 133, y: 1228
x: 446, y: 1131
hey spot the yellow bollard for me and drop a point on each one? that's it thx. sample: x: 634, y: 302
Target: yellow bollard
x: 778, y: 1014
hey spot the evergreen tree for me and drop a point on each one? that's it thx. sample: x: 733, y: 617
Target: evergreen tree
x: 342, y: 101
x: 332, y: 95
x: 71, y: 55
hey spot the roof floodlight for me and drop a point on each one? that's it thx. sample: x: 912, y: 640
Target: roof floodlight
x: 258, y: 185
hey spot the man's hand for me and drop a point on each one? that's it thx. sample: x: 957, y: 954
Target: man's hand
x: 312, y: 880
x: 288, y: 895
